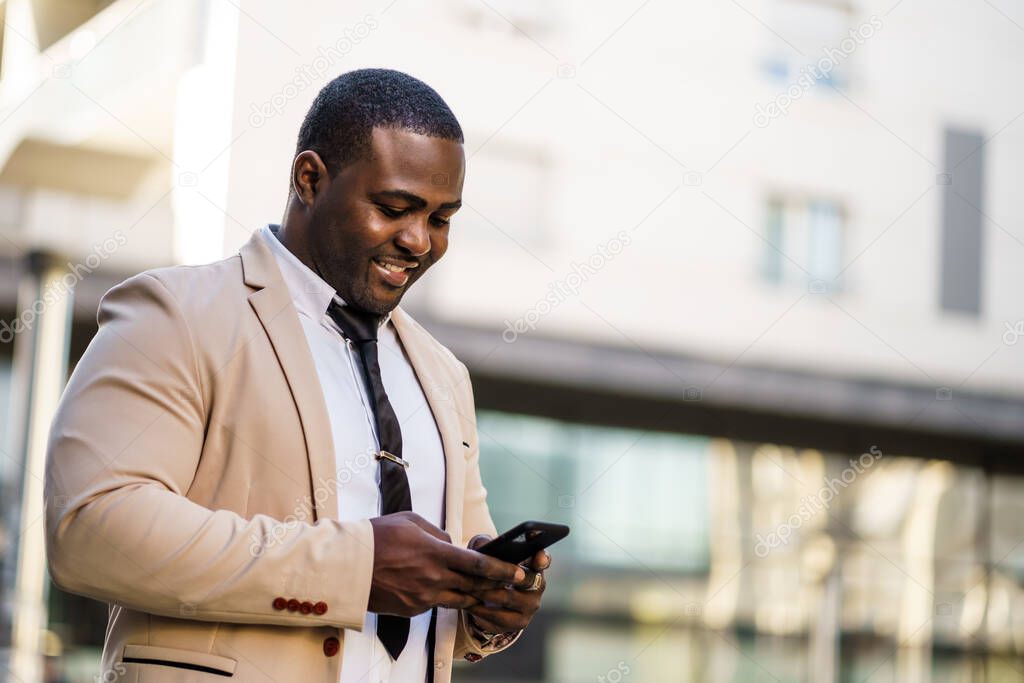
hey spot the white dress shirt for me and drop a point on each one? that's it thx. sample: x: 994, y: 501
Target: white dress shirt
x: 338, y: 367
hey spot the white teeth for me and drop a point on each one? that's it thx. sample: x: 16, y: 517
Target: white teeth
x: 392, y: 267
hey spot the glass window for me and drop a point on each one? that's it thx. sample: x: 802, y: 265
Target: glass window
x: 825, y: 240
x: 631, y: 497
x: 820, y: 30
x: 733, y: 561
x: 772, y: 262
x: 803, y: 243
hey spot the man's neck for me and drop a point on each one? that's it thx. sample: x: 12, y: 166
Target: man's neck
x: 293, y: 237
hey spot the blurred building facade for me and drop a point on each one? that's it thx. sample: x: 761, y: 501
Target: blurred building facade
x: 739, y: 286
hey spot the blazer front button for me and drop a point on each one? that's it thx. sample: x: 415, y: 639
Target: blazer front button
x: 331, y: 646
x: 280, y: 603
x: 320, y: 608
x: 306, y: 607
x: 293, y: 605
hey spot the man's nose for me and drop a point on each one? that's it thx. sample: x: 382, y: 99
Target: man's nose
x: 414, y: 238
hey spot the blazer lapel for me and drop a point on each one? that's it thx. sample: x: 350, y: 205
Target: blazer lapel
x: 440, y: 396
x: 273, y: 305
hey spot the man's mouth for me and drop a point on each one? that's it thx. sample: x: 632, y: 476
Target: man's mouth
x: 394, y: 271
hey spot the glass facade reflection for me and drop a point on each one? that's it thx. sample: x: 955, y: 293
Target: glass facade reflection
x: 701, y: 559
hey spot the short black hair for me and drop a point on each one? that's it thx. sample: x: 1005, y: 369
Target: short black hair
x: 341, y: 119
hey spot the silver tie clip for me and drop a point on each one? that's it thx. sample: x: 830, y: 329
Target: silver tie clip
x: 393, y: 458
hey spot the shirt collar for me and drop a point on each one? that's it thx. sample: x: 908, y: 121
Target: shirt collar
x: 310, y: 293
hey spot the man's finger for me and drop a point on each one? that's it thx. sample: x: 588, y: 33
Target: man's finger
x: 439, y: 534
x: 455, y: 600
x: 540, y: 561
x: 530, y: 580
x: 476, y: 564
x: 485, y: 623
x: 478, y: 540
x: 499, y: 621
x: 473, y: 585
x: 510, y: 601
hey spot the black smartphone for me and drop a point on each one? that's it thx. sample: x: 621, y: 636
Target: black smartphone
x: 522, y: 541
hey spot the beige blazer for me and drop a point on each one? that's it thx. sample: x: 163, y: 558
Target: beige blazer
x: 191, y: 482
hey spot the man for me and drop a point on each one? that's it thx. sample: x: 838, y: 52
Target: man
x: 254, y: 459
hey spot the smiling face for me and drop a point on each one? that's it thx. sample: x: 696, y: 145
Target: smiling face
x: 381, y: 222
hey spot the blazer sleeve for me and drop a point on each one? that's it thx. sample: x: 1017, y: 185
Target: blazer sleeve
x: 470, y: 644
x: 122, y: 453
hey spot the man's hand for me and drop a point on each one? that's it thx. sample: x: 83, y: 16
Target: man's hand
x: 416, y: 568
x: 510, y: 607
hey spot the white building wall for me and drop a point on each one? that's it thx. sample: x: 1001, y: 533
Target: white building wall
x: 662, y: 115
x: 586, y: 121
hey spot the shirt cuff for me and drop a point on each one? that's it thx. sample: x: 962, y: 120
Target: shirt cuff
x: 483, y: 642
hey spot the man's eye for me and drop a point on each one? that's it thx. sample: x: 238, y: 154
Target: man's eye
x: 390, y: 211
x: 439, y: 221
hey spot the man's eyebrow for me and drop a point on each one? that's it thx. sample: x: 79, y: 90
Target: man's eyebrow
x: 413, y: 199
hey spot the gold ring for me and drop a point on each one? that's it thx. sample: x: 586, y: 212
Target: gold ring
x: 538, y: 580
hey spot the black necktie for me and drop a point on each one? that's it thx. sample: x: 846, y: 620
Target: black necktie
x: 361, y: 328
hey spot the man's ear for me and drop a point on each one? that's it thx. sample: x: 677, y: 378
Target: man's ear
x: 309, y: 176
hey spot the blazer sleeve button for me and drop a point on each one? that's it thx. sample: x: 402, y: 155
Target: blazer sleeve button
x: 293, y: 605
x: 306, y: 607
x: 280, y: 603
x: 331, y: 646
x: 320, y: 608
